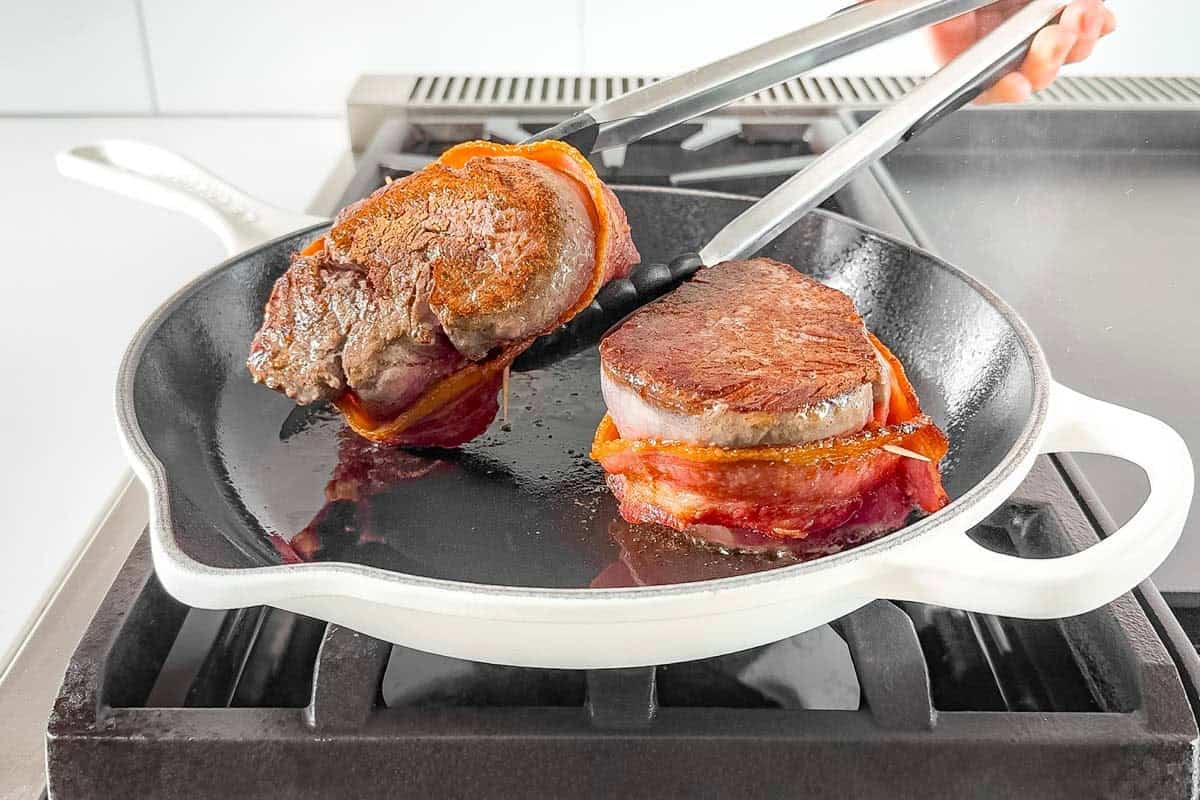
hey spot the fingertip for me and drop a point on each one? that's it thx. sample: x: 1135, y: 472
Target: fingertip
x: 1096, y: 22
x: 1048, y: 52
x: 1082, y: 49
x: 1074, y: 18
x: 952, y: 37
x: 1064, y: 40
x: 1012, y: 88
x: 1110, y: 22
x: 1018, y: 89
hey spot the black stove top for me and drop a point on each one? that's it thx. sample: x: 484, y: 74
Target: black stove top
x: 752, y: 161
x: 893, y: 700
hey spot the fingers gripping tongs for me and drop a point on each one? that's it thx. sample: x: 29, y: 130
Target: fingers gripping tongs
x: 657, y: 106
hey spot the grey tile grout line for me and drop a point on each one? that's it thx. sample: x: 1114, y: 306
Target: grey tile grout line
x: 581, y: 42
x: 168, y: 115
x: 148, y: 64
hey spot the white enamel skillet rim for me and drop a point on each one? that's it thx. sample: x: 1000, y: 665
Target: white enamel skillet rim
x: 932, y: 561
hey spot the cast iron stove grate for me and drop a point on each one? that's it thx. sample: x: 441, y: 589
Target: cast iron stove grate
x: 948, y: 705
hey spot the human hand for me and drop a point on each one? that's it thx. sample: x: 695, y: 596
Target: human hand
x: 1071, y: 39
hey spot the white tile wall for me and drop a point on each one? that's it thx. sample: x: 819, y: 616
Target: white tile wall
x: 1152, y: 38
x: 634, y: 36
x: 59, y: 56
x: 302, y: 56
x: 89, y: 273
x: 272, y: 56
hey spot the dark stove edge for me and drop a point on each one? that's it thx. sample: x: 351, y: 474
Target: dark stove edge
x: 1156, y: 606
x: 1176, y: 641
x: 1186, y: 600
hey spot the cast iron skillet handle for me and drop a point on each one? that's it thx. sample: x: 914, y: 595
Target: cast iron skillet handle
x: 162, y: 178
x: 949, y: 569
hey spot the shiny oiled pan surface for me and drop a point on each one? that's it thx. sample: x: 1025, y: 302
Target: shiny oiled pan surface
x: 523, y: 505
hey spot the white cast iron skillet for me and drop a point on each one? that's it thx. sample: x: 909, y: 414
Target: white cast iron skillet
x: 487, y: 557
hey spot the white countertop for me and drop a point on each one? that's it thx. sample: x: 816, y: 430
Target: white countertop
x: 84, y: 268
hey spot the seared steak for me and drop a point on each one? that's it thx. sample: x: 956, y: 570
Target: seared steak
x: 746, y: 353
x: 442, y: 268
x: 311, y: 311
x: 434, y: 242
x: 752, y: 410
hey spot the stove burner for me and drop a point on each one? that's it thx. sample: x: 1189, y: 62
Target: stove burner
x: 767, y: 168
x: 712, y: 130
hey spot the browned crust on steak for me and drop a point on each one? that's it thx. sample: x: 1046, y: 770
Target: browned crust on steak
x: 465, y: 221
x: 744, y: 335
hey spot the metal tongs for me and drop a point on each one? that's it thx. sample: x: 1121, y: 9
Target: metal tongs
x: 660, y: 105
x: 657, y: 106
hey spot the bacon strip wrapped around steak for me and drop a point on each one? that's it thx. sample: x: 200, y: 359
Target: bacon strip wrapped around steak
x: 408, y: 311
x: 754, y: 423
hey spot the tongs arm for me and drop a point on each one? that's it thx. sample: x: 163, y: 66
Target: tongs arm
x: 660, y: 105
x: 947, y: 90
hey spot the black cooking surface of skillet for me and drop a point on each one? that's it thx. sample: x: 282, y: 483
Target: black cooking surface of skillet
x: 523, y: 505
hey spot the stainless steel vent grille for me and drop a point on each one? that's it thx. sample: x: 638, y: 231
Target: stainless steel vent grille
x: 477, y: 90
x: 530, y: 92
x: 548, y: 98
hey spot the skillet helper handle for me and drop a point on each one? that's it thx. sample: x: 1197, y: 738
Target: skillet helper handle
x: 952, y: 570
x: 162, y: 178
x: 947, y: 90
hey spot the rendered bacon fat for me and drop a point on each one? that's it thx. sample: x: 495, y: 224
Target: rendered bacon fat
x: 407, y: 312
x: 839, y: 489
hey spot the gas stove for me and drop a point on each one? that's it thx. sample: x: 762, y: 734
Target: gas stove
x: 896, y: 699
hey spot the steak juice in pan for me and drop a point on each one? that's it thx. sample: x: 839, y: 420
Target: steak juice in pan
x: 540, y: 513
